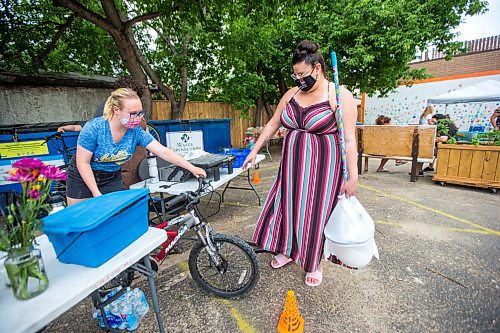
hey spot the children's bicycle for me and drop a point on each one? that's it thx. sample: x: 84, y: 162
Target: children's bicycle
x: 222, y: 265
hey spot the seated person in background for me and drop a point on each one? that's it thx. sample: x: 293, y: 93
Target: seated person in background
x: 495, y: 119
x: 383, y: 120
x: 105, y: 143
x: 426, y: 116
x: 443, y: 133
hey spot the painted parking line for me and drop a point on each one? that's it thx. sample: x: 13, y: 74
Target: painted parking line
x: 473, y: 231
x: 243, y: 325
x: 486, y: 231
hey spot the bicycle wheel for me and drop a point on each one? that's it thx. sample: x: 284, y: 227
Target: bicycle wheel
x: 154, y: 132
x: 237, y: 272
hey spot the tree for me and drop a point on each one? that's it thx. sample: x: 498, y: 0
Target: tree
x: 112, y: 18
x: 374, y: 41
x: 238, y: 52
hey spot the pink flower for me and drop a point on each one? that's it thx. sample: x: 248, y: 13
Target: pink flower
x: 29, y: 163
x: 21, y: 175
x: 52, y: 172
x: 34, y: 194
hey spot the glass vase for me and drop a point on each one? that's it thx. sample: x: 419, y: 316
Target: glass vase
x: 26, y: 272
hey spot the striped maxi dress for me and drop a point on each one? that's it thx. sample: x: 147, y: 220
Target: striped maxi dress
x: 306, y: 187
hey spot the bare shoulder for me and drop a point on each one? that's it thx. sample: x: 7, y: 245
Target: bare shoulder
x: 345, y: 93
x: 289, y: 94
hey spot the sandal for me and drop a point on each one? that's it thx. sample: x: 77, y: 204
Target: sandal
x: 382, y: 170
x: 398, y: 163
x: 279, y: 261
x: 316, y: 275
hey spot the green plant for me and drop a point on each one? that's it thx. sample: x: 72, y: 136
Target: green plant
x: 451, y: 141
x: 443, y: 127
x: 22, y: 216
x: 492, y: 135
x: 22, y: 222
x: 475, y: 141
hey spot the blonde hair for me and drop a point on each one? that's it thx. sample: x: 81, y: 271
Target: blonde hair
x: 428, y: 110
x: 116, y: 99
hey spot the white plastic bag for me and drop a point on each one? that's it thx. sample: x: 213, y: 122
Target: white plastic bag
x: 350, y: 233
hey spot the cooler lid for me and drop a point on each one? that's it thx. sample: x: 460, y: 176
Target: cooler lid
x: 89, y: 214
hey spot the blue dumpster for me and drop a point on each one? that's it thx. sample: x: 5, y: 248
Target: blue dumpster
x: 54, y: 146
x: 216, y: 132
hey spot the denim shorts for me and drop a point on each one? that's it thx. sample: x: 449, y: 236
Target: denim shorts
x: 107, y: 182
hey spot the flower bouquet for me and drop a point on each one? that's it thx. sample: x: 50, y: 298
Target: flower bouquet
x: 24, y: 264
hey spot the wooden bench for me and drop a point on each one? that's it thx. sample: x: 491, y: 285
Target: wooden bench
x: 413, y: 143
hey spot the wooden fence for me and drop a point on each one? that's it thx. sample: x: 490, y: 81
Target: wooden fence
x: 211, y: 110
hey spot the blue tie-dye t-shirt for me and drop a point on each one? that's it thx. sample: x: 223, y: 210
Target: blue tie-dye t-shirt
x: 107, y: 155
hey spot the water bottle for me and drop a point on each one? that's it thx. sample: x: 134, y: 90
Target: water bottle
x: 115, y: 309
x: 127, y: 314
x: 97, y: 316
x: 140, y: 303
x: 153, y: 170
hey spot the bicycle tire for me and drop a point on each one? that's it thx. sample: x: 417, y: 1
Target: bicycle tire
x: 154, y: 132
x: 218, y: 286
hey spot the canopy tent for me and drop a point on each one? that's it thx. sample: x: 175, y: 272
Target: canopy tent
x: 486, y: 91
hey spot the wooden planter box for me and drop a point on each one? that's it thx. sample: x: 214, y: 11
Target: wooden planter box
x: 468, y: 165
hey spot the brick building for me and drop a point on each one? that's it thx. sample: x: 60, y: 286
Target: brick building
x: 483, y: 55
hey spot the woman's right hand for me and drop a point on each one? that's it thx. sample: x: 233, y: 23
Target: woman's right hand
x: 250, y: 159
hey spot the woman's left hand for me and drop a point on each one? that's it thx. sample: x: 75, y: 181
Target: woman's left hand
x: 350, y: 187
x: 199, y: 172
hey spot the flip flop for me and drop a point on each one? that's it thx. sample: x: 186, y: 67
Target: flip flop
x: 316, y: 275
x: 383, y: 170
x: 281, y: 260
x: 398, y: 163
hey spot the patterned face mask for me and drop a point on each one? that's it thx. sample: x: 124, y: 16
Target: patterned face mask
x: 129, y: 122
x: 305, y: 83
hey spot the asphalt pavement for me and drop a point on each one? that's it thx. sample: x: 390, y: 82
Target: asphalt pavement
x: 439, y: 268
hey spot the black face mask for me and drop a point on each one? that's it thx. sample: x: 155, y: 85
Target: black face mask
x: 305, y: 83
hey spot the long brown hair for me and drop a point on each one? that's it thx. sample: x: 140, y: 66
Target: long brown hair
x: 427, y: 111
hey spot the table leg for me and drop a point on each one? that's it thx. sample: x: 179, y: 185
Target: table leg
x: 152, y: 289
x: 268, y: 153
x: 252, y: 188
x: 162, y: 201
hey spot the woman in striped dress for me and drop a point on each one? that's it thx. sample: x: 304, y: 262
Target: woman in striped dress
x: 310, y: 175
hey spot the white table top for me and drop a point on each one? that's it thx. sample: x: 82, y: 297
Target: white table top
x: 68, y: 284
x: 191, y: 184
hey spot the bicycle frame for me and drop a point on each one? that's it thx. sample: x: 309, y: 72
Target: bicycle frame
x: 187, y: 221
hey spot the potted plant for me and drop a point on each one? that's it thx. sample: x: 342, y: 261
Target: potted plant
x: 474, y: 164
x: 24, y: 264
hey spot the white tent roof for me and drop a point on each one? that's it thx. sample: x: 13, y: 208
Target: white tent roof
x: 486, y: 91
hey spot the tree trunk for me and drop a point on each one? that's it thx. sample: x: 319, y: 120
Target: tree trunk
x: 258, y: 108
x: 134, y: 67
x: 116, y: 24
x: 269, y: 111
x: 281, y: 82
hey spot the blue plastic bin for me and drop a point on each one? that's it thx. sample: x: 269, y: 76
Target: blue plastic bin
x: 216, y: 132
x: 93, y: 231
x: 240, y: 154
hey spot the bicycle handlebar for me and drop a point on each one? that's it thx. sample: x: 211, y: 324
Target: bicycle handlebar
x: 56, y: 135
x: 191, y: 198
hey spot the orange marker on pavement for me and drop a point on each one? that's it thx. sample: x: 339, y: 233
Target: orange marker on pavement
x: 290, y: 319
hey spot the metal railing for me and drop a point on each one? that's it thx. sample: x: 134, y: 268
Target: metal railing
x: 471, y: 46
